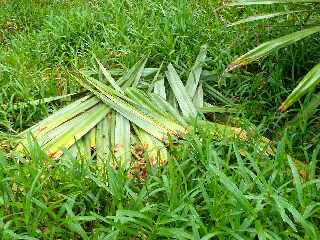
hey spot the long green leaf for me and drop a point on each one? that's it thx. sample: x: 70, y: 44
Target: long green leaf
x: 208, y: 108
x: 231, y: 187
x: 308, y: 83
x: 103, y: 141
x: 109, y: 77
x: 122, y: 150
x: 217, y: 95
x: 133, y: 75
x: 296, y: 180
x: 307, y: 110
x: 264, y: 16
x: 90, y: 119
x: 265, y: 48
x: 196, y: 70
x: 129, y: 111
x: 180, y: 92
x: 160, y: 89
x: 61, y: 116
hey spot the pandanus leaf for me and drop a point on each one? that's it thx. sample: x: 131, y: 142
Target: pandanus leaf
x: 307, y: 83
x: 180, y: 92
x: 264, y: 16
x: 265, y: 48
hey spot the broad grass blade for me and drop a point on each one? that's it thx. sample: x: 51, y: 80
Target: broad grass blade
x: 231, y: 187
x: 208, y: 108
x: 307, y: 111
x: 217, y: 95
x: 296, y: 181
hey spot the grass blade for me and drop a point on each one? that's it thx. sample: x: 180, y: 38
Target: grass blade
x: 217, y: 95
x: 41, y: 101
x: 296, y: 181
x: 231, y: 187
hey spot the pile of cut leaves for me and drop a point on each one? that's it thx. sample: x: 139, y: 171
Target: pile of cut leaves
x: 124, y: 121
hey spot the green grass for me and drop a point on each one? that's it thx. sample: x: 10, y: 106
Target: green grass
x: 206, y: 191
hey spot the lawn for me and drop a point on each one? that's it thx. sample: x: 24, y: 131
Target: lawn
x: 208, y: 189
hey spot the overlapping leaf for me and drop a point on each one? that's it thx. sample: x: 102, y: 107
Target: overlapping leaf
x: 122, y: 123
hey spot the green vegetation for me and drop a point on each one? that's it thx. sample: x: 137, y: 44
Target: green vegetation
x: 313, y: 77
x: 211, y: 187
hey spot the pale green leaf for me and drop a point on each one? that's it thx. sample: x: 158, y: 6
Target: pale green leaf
x: 90, y: 119
x: 122, y: 141
x: 195, y: 73
x: 265, y: 48
x: 306, y: 84
x: 109, y: 77
x: 133, y: 75
x: 103, y: 141
x: 180, y: 92
x: 263, y: 17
